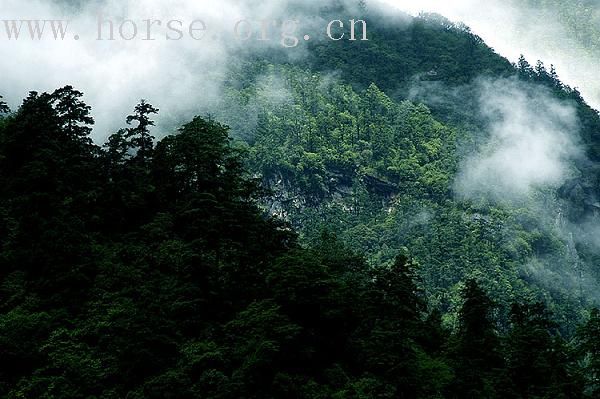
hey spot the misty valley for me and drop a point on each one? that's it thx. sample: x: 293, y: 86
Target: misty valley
x: 391, y: 212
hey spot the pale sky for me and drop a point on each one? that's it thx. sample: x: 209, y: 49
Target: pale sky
x: 182, y: 78
x: 501, y: 26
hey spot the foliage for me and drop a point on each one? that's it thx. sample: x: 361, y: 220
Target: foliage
x: 172, y: 268
x: 201, y: 294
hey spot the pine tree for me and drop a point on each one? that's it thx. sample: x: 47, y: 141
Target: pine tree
x: 536, y: 359
x: 395, y: 321
x: 554, y: 77
x: 477, y: 347
x: 47, y: 180
x: 589, y: 346
x: 540, y: 70
x: 127, y: 160
x: 524, y: 68
x: 73, y: 114
x: 400, y: 292
x: 139, y: 136
x: 116, y: 150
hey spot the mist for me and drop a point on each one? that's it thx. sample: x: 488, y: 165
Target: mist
x: 532, y: 141
x: 513, y: 28
x: 527, y: 150
x: 185, y: 77
x: 182, y: 78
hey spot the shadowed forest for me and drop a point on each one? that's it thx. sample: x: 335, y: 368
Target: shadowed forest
x: 415, y: 218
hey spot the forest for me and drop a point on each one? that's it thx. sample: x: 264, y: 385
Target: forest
x: 319, y: 234
x: 155, y: 273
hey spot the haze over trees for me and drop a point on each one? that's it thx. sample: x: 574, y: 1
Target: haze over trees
x: 320, y: 248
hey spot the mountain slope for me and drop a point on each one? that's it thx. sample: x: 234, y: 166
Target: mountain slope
x: 343, y: 150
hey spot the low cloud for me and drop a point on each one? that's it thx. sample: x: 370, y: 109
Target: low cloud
x: 540, y: 32
x: 181, y: 77
x: 532, y: 140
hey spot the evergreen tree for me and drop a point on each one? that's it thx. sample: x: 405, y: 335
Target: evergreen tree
x: 537, y: 360
x: 395, y: 323
x: 524, y: 68
x: 401, y: 296
x: 73, y: 114
x: 540, y: 69
x: 126, y: 159
x: 589, y: 346
x: 477, y: 347
x: 139, y: 136
x: 555, y: 79
x: 116, y: 149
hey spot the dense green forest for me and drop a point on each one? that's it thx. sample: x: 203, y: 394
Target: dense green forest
x: 319, y: 247
x: 372, y: 154
x: 141, y: 270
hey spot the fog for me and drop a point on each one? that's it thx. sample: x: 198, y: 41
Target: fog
x: 512, y: 28
x: 530, y: 141
x: 181, y: 77
x: 533, y: 139
x: 184, y: 77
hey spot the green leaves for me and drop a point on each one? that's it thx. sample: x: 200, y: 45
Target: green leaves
x: 149, y: 271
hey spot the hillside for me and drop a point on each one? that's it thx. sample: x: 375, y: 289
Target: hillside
x: 153, y: 273
x: 405, y: 152
x: 406, y: 217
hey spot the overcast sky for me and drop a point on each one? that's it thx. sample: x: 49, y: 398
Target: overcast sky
x: 183, y: 78
x: 504, y: 26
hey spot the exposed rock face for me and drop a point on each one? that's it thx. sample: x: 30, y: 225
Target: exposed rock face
x: 376, y: 185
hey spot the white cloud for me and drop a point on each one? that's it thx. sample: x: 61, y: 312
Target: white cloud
x: 182, y: 78
x: 532, y: 141
x: 513, y: 29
